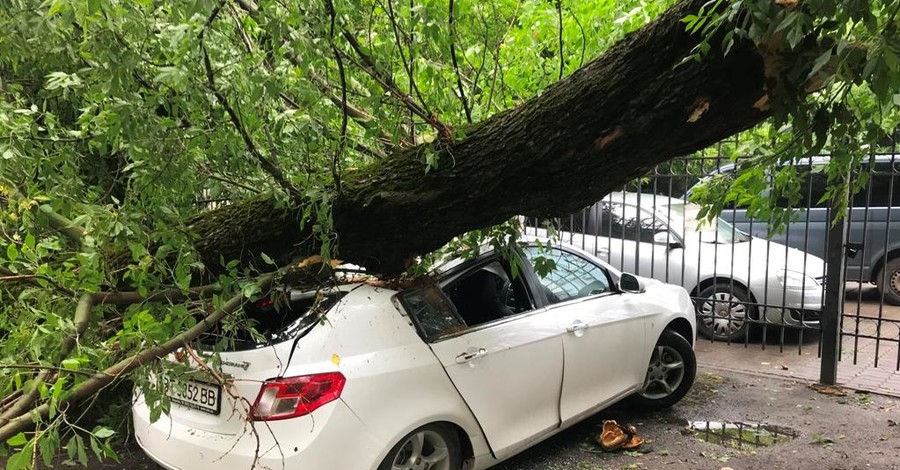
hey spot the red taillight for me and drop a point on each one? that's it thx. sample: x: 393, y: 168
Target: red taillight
x: 296, y: 396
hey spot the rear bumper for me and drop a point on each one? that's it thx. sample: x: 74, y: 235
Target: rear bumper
x: 336, y: 439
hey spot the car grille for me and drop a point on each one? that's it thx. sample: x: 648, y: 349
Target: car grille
x: 807, y: 316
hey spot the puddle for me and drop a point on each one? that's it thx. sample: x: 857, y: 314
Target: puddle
x: 741, y: 436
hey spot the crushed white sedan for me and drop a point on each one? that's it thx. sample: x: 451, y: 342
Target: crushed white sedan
x: 463, y: 372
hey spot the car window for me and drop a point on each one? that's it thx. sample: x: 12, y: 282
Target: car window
x: 883, y: 188
x: 489, y: 292
x: 572, y: 276
x: 431, y: 312
x: 627, y: 222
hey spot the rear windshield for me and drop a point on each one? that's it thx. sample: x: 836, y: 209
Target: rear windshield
x: 286, y: 315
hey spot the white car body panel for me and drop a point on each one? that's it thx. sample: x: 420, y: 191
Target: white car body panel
x: 520, y: 358
x: 599, y: 327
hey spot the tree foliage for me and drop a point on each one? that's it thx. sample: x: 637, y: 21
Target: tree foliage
x: 126, y: 123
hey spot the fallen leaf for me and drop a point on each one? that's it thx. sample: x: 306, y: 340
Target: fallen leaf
x: 830, y: 390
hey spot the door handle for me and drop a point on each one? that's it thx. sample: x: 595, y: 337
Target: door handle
x: 603, y: 253
x: 577, y: 327
x: 469, y: 355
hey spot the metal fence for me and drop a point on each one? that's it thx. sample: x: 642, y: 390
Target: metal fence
x: 755, y: 286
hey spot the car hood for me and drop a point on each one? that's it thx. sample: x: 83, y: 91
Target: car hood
x: 756, y: 259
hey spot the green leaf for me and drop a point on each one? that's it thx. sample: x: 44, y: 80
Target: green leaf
x: 819, y: 63
x: 21, y: 459
x: 103, y: 432
x: 17, y: 441
x: 29, y: 241
x: 12, y: 253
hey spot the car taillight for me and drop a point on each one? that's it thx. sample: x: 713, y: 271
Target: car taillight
x: 290, y: 397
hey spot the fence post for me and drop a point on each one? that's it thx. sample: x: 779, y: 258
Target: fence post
x: 832, y: 311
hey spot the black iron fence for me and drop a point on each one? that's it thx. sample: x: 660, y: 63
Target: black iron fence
x: 756, y: 286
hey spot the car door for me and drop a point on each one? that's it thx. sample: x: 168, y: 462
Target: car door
x: 507, y: 360
x: 604, y: 342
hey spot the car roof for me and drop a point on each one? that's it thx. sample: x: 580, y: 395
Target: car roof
x: 813, y: 160
x: 445, y: 267
x: 644, y: 200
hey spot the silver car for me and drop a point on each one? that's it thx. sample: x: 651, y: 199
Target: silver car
x: 734, y: 278
x: 873, y: 232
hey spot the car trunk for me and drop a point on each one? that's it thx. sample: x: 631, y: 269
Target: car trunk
x: 247, y: 358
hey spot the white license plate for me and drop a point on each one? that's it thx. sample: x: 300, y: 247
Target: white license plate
x: 197, y: 395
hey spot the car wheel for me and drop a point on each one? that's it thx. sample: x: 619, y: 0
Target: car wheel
x: 888, y: 281
x: 670, y: 373
x: 431, y: 447
x: 724, y: 311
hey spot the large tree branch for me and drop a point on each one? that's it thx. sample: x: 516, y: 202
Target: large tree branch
x: 587, y: 135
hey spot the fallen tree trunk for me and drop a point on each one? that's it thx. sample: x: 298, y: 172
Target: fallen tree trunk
x: 585, y: 136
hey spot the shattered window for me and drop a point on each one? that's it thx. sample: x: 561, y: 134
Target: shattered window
x: 432, y: 313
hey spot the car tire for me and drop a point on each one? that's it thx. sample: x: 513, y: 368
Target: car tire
x: 888, y: 281
x: 437, y: 442
x: 670, y: 374
x: 724, y: 311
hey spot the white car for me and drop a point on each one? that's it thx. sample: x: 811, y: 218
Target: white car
x: 733, y: 277
x: 461, y: 373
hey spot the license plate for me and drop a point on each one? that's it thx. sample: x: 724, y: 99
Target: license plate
x: 197, y: 395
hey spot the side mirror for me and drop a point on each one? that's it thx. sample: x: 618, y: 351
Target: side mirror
x: 631, y: 283
x: 665, y: 238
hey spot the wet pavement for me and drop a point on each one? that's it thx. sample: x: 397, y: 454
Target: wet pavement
x: 755, y: 422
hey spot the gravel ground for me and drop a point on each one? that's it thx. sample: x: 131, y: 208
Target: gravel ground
x: 858, y: 431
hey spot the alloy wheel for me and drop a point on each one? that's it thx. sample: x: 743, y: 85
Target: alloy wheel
x: 423, y: 450
x: 665, y: 373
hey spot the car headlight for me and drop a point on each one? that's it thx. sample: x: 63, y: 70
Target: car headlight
x: 795, y: 280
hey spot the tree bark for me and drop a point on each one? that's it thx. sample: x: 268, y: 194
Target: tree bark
x: 583, y: 137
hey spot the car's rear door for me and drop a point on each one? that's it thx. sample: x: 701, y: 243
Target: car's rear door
x: 508, y: 367
x: 604, y: 342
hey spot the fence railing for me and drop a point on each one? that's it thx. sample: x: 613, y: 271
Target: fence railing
x: 753, y: 285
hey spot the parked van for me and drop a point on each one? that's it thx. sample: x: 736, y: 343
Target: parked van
x: 873, y: 222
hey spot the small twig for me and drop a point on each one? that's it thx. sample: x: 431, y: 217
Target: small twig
x: 335, y: 160
x: 33, y: 279
x: 559, y: 16
x: 240, y: 28
x: 223, y: 179
x: 583, y: 36
x: 50, y: 368
x: 459, y: 84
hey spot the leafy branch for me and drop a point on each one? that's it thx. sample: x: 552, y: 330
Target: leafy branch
x: 266, y: 164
